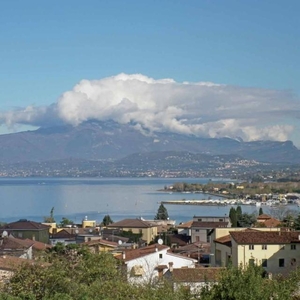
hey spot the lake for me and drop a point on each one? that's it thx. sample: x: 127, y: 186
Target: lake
x: 75, y: 198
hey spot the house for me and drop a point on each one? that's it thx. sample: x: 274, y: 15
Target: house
x: 203, y: 225
x: 100, y: 245
x: 26, y: 229
x: 185, y: 228
x: 143, y: 265
x: 193, y: 278
x: 11, y: 246
x: 38, y: 248
x: 275, y: 250
x: 267, y: 221
x: 147, y: 230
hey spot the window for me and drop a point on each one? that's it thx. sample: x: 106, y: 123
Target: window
x: 20, y: 235
x: 293, y: 247
x: 221, y: 220
x: 264, y: 247
x: 197, y: 230
x: 251, y: 262
x: 251, y: 247
x: 293, y: 262
x: 281, y: 262
x: 160, y: 255
x: 264, y: 263
x: 199, y: 220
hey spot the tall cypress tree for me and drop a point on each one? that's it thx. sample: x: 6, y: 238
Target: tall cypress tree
x: 233, y: 217
x: 162, y: 213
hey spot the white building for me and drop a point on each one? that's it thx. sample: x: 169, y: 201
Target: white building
x: 145, y: 265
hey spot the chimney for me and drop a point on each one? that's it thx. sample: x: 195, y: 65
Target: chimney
x: 156, y: 249
x: 123, y: 255
x: 171, y: 267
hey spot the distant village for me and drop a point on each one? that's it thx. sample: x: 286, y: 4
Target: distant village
x: 191, y: 253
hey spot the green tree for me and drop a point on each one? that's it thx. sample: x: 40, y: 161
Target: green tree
x: 238, y: 211
x: 162, y: 213
x: 246, y: 220
x: 260, y: 211
x: 107, y: 220
x: 250, y: 284
x: 233, y: 217
x: 50, y: 218
x: 65, y: 221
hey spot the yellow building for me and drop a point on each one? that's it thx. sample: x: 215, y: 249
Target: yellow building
x: 276, y: 251
x: 147, y: 229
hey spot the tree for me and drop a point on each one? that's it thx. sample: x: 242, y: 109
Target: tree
x: 162, y: 213
x: 107, y: 220
x: 260, y: 211
x: 50, y: 218
x: 246, y: 220
x: 238, y: 212
x: 65, y: 222
x: 233, y: 217
x: 251, y: 284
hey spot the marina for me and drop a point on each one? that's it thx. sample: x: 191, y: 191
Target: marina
x: 216, y: 202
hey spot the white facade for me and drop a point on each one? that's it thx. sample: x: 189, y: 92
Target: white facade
x: 146, y: 269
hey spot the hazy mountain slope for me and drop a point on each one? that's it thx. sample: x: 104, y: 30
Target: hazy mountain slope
x: 109, y: 140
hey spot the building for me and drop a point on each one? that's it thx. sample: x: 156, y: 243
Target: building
x: 193, y: 278
x: 275, y: 250
x: 25, y: 229
x: 202, y: 226
x: 10, y: 246
x: 147, y: 230
x: 265, y: 220
x: 100, y: 245
x: 145, y: 265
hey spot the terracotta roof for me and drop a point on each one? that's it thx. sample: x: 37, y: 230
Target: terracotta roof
x: 101, y: 242
x: 11, y: 243
x: 209, y: 224
x: 265, y: 237
x: 263, y: 217
x: 186, y: 225
x: 225, y: 240
x: 39, y: 245
x: 63, y: 234
x: 140, y: 252
x: 196, y: 274
x: 132, y: 223
x: 11, y: 262
x: 24, y: 224
x: 179, y: 239
x: 272, y: 222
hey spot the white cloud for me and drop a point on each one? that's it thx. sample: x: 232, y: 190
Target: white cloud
x: 201, y: 108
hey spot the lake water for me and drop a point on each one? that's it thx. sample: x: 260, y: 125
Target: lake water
x: 33, y: 198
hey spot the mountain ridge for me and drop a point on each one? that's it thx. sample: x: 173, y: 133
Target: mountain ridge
x: 111, y: 141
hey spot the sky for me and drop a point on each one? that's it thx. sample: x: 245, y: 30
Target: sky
x: 208, y: 68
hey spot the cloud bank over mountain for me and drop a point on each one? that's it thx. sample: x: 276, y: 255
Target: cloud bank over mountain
x: 203, y: 108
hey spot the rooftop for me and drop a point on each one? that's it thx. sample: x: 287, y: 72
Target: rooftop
x: 196, y: 274
x: 265, y: 237
x: 24, y: 224
x: 132, y: 223
x: 141, y: 252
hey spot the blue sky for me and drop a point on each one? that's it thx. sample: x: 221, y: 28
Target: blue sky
x: 49, y: 47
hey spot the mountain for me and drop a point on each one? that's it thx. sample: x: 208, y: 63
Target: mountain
x: 111, y: 141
